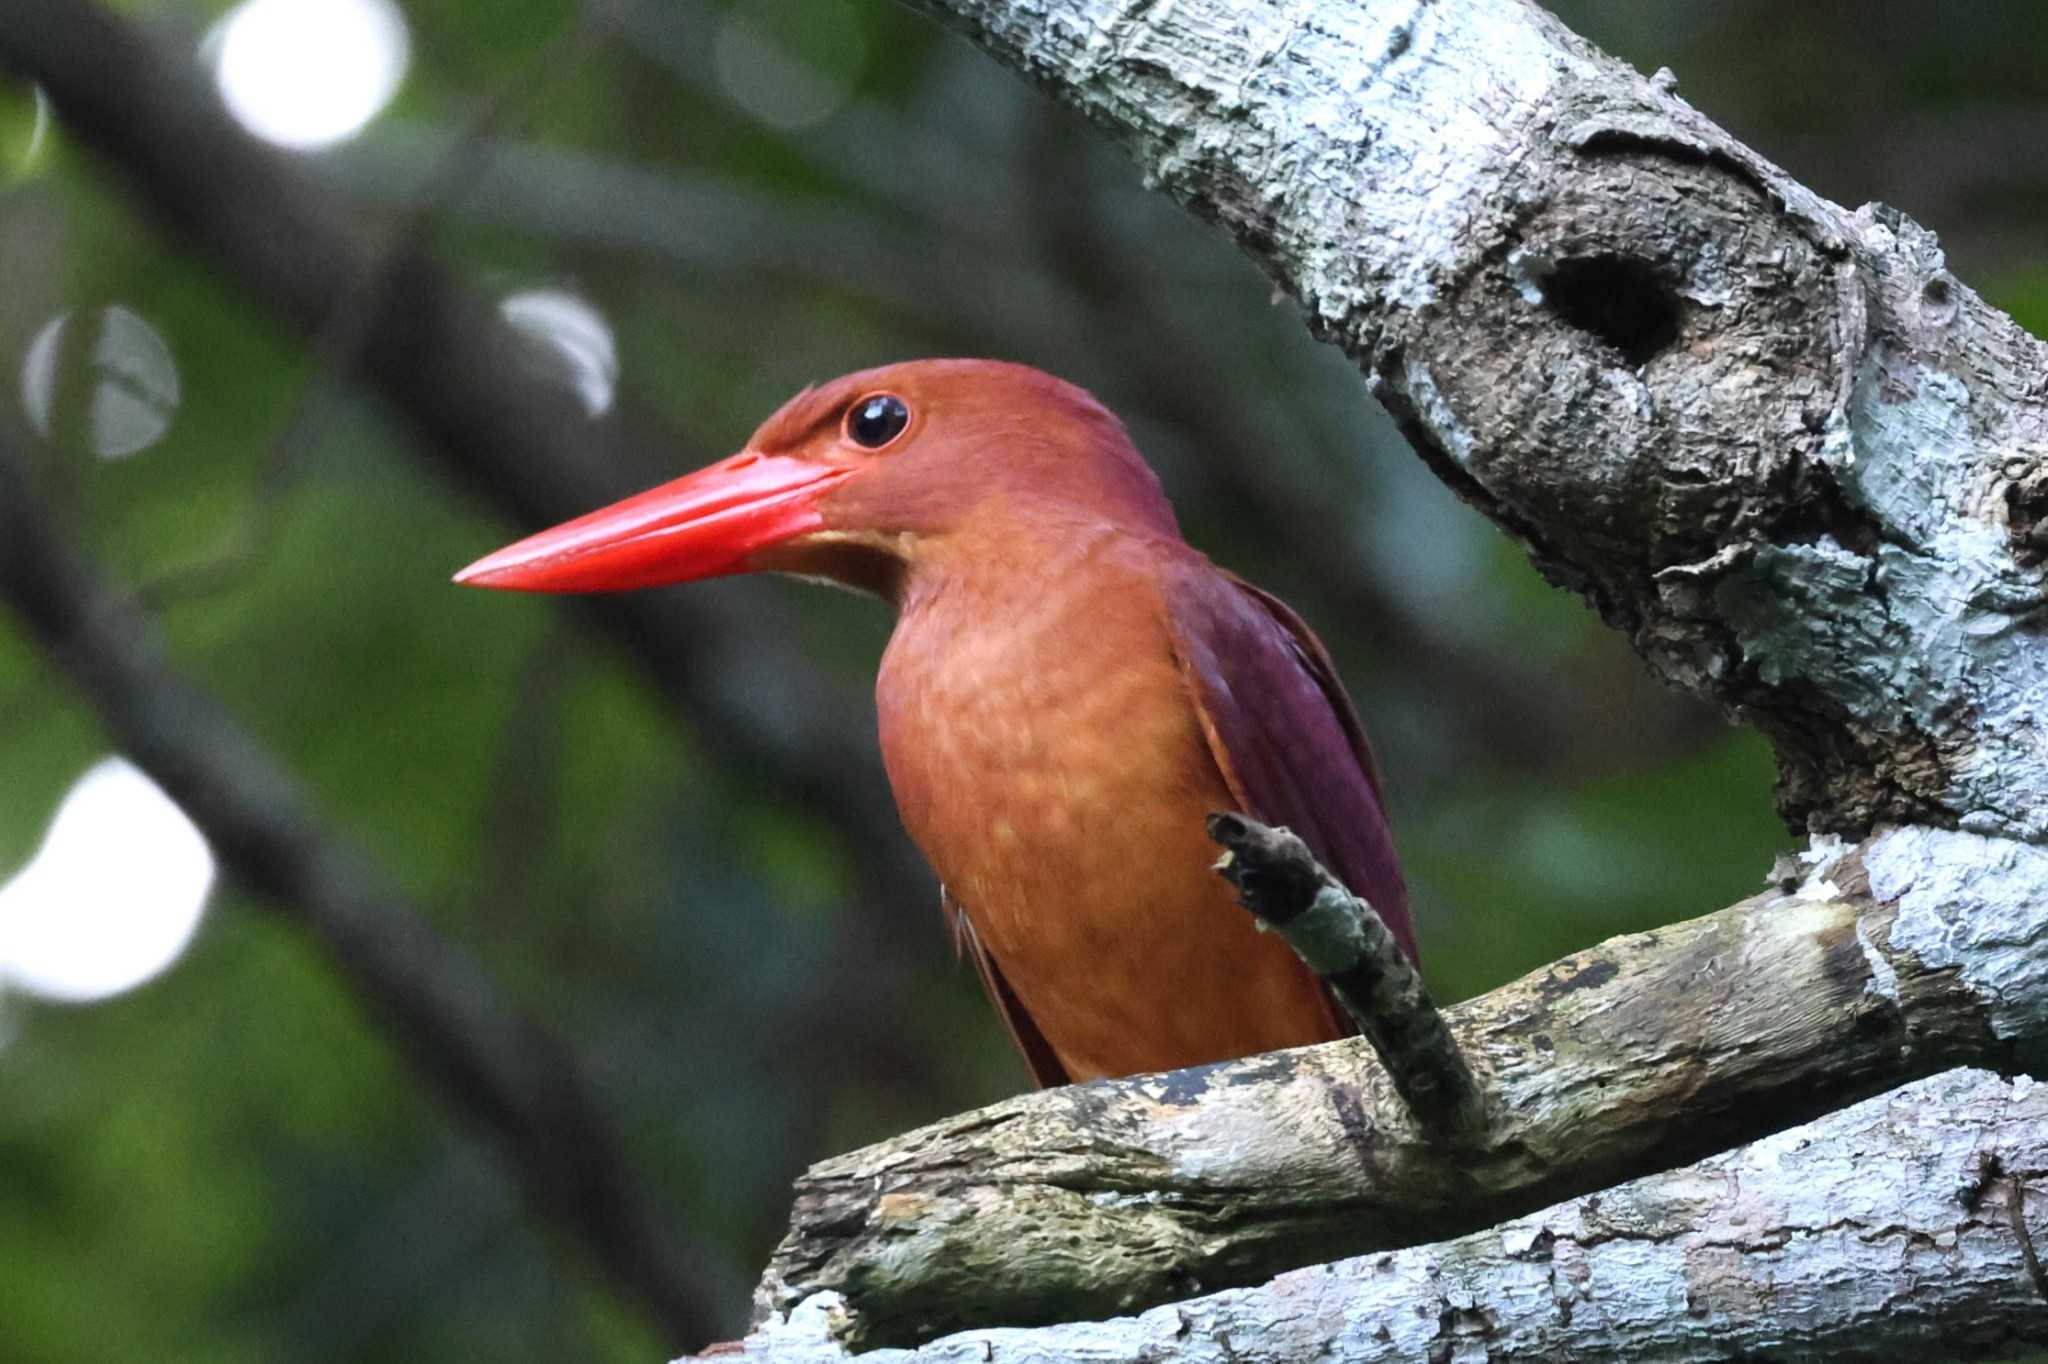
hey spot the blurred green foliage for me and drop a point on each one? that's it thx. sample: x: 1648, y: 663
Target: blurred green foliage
x: 230, y: 1163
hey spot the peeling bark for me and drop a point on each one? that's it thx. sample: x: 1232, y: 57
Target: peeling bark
x: 1874, y: 1232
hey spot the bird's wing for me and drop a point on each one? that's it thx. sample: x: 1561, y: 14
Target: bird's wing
x: 1283, y: 732
x: 1046, y: 1070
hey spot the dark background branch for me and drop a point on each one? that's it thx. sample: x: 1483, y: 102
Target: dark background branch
x: 492, y: 1065
x: 492, y: 413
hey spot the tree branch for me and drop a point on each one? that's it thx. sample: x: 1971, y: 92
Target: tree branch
x: 1345, y: 942
x: 490, y: 1063
x: 1912, y: 953
x: 1773, y: 441
x: 1800, y: 1246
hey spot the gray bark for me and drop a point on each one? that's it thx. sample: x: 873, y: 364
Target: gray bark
x: 1875, y: 1232
x: 1771, y: 439
x: 1343, y: 940
x: 1910, y: 954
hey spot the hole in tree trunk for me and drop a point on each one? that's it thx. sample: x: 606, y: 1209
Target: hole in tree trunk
x: 1623, y: 301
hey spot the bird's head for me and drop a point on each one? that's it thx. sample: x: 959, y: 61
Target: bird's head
x: 860, y: 481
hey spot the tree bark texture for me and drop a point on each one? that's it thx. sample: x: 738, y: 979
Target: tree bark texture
x: 1771, y: 439
x: 1910, y: 954
x: 1342, y: 938
x: 1877, y: 1232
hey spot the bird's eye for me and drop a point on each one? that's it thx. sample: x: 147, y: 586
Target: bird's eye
x: 875, y: 421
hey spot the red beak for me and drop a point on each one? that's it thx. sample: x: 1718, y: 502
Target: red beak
x: 702, y: 525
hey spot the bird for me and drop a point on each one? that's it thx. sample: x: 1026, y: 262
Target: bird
x: 1069, y: 690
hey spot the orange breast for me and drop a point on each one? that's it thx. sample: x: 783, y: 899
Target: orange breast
x: 1048, y: 760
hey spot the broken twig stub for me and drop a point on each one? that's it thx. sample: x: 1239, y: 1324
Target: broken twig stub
x: 1345, y: 942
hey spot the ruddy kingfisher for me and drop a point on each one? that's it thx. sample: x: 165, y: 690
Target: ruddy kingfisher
x: 1069, y: 690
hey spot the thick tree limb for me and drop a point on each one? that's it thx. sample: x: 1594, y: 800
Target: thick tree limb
x: 1345, y: 942
x: 1774, y: 441
x: 1912, y: 953
x: 1875, y: 1233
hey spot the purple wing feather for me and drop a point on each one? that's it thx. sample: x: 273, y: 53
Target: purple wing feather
x: 1039, y: 1057
x: 1290, y: 746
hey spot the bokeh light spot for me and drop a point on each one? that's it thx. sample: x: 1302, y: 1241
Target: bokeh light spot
x: 24, y: 131
x: 575, y: 333
x: 114, y: 382
x: 788, y: 64
x: 112, y: 897
x: 307, y: 74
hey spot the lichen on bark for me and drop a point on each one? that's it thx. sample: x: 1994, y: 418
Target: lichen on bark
x: 1693, y: 389
x: 1882, y: 1229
